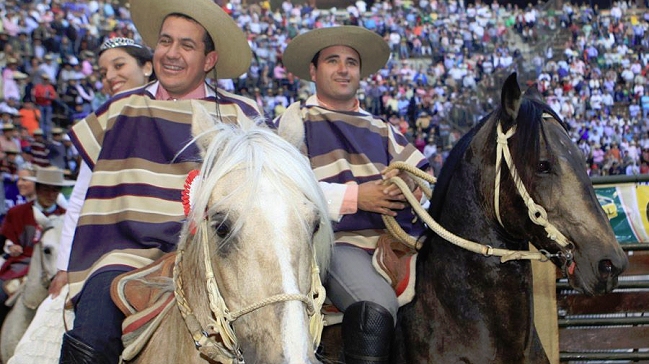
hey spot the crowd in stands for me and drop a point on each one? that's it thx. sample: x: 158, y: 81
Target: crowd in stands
x: 446, y: 55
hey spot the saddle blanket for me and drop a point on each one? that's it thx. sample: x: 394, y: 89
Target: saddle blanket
x: 144, y: 295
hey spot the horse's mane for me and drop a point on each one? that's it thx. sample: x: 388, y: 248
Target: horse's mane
x: 258, y: 151
x: 448, y: 168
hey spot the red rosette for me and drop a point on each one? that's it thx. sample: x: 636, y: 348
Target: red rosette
x: 187, y: 195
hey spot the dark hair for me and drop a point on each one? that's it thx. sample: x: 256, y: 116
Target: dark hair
x: 207, y: 39
x: 314, y: 60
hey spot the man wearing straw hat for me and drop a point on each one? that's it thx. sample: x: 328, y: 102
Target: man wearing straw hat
x: 136, y: 160
x: 20, y: 231
x: 349, y: 149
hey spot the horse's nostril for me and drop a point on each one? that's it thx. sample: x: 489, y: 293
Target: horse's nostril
x: 606, y: 269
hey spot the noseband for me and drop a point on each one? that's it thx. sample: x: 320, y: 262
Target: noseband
x: 227, y: 350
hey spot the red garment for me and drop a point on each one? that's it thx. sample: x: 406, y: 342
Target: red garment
x: 21, y: 228
x: 29, y: 119
x: 44, y: 94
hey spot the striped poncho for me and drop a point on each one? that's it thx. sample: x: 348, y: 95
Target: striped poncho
x: 139, y: 152
x: 353, y: 147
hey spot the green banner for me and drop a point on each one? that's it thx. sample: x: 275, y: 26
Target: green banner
x: 626, y: 206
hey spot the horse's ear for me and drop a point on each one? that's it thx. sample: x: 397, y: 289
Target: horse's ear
x: 533, y: 93
x: 202, y: 123
x: 511, y: 97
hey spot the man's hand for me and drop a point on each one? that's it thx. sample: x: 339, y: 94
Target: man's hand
x: 15, y: 250
x: 374, y: 196
x: 59, y: 280
x: 403, y: 175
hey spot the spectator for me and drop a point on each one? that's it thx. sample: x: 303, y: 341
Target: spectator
x: 44, y: 95
x: 20, y: 226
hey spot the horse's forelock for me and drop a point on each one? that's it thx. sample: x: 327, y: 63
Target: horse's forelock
x: 257, y: 150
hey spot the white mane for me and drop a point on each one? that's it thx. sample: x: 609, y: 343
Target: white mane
x: 258, y: 151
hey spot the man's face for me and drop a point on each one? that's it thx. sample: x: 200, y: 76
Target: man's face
x: 179, y: 59
x: 337, y: 76
x: 46, y: 194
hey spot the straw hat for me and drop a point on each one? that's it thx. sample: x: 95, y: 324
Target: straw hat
x: 11, y: 148
x: 51, y: 176
x: 373, y: 50
x: 8, y: 126
x: 38, y: 131
x: 229, y: 40
x: 19, y: 75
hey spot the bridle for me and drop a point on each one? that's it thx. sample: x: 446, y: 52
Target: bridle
x: 537, y: 213
x: 227, y: 350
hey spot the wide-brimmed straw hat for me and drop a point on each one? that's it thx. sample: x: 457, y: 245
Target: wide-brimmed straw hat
x: 51, y: 176
x: 372, y: 49
x: 229, y: 41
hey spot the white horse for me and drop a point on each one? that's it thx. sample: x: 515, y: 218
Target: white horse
x: 245, y: 281
x: 42, y: 269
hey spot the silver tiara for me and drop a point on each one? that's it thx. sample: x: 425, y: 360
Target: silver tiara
x: 118, y: 42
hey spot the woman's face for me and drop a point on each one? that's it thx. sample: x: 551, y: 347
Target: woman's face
x: 26, y: 188
x: 120, y: 71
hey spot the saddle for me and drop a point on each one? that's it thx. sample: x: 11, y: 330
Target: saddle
x: 144, y: 295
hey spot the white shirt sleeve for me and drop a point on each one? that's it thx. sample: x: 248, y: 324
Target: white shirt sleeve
x: 334, y: 194
x: 72, y: 216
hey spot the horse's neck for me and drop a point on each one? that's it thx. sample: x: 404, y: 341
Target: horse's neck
x: 171, y: 341
x: 478, y: 281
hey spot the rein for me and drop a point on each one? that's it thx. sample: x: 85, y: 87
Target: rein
x: 537, y: 213
x: 227, y: 350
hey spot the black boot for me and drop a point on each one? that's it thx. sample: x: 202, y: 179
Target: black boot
x: 367, y: 332
x: 74, y: 351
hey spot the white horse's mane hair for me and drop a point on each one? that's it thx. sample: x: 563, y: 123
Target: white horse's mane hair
x: 258, y: 151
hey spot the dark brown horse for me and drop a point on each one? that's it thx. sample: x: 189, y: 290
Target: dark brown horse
x: 472, y: 308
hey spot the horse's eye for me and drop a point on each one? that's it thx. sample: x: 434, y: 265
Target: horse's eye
x: 543, y: 167
x: 47, y: 250
x: 222, y: 230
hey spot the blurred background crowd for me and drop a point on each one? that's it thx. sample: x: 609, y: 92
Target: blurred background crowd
x: 449, y: 59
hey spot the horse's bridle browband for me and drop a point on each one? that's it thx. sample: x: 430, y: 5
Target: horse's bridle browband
x: 228, y: 350
x: 537, y: 213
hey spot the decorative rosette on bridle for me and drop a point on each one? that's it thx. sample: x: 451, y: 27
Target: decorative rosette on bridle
x: 188, y: 194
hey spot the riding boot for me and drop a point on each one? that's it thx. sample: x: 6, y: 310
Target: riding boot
x: 74, y: 351
x: 367, y: 331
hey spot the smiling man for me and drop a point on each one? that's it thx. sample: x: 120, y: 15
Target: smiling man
x: 128, y: 199
x: 349, y: 149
